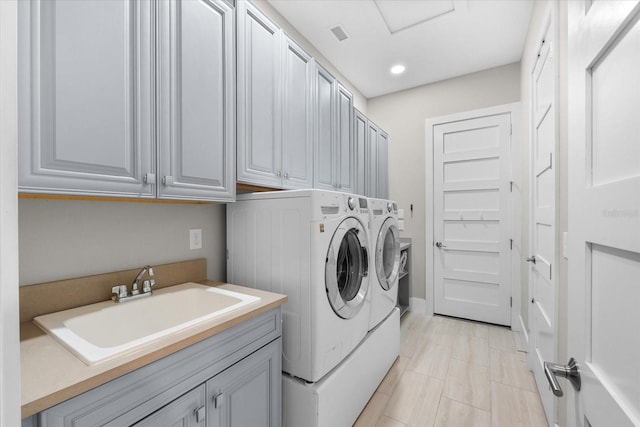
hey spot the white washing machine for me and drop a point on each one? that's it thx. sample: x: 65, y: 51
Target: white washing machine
x: 385, y: 268
x: 313, y: 246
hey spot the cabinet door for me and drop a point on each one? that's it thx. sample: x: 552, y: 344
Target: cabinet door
x: 248, y: 394
x: 187, y: 410
x: 345, y: 150
x: 371, y: 153
x: 324, y: 129
x: 259, y: 98
x: 297, y: 116
x: 383, y: 165
x: 360, y: 139
x: 196, y: 100
x: 85, y: 98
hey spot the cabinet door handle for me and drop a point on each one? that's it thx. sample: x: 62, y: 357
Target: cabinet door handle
x: 201, y: 414
x: 286, y: 175
x: 149, y: 178
x: 278, y: 174
x: 167, y: 180
x: 218, y: 400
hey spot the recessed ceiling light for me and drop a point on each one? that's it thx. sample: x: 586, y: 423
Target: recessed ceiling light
x: 397, y: 69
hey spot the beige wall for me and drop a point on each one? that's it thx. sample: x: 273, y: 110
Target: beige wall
x: 403, y: 115
x: 63, y: 239
x: 359, y: 100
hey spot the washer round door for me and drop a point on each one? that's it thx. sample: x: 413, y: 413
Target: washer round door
x: 388, y: 254
x: 346, y: 269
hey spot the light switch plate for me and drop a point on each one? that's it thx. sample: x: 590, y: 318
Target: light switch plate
x: 195, y: 238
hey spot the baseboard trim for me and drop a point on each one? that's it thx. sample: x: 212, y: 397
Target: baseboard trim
x: 418, y: 305
x: 523, y: 331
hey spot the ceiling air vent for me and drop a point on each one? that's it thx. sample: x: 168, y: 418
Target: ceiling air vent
x: 339, y: 32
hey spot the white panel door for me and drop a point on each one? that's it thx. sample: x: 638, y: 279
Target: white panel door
x: 543, y: 312
x: 471, y: 221
x: 604, y: 212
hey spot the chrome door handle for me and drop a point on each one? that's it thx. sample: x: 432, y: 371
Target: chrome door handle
x: 440, y: 245
x: 531, y: 259
x: 569, y: 371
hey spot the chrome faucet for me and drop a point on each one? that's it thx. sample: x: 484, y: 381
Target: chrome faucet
x: 121, y: 293
x: 146, y: 285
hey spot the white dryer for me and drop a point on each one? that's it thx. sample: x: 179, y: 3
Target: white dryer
x: 385, y: 244
x: 313, y: 246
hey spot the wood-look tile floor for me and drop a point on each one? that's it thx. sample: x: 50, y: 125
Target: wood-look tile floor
x: 453, y: 373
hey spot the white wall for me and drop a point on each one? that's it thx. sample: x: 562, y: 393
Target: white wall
x: 403, y: 115
x: 62, y: 239
x: 9, y: 333
x: 359, y: 101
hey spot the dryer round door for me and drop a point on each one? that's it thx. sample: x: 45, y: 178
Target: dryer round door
x: 346, y: 269
x: 388, y: 254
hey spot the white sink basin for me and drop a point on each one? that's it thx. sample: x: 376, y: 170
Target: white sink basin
x: 99, y: 332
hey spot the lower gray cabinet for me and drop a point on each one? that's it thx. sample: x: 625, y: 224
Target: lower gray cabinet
x: 187, y: 410
x: 231, y: 379
x: 242, y: 395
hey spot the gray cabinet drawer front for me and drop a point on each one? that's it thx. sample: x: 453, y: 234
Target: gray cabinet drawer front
x: 133, y: 396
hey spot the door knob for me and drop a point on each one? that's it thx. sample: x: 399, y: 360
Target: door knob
x: 569, y: 371
x: 531, y: 259
x: 440, y: 245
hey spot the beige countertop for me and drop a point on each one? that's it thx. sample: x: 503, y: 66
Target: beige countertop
x: 51, y: 374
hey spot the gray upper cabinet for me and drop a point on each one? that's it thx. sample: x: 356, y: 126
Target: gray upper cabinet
x: 371, y: 166
x: 196, y: 102
x: 324, y: 135
x: 86, y: 89
x: 334, y: 143
x: 360, y: 130
x: 275, y: 116
x: 95, y: 121
x: 297, y: 116
x: 258, y: 146
x: 383, y: 165
x: 345, y: 150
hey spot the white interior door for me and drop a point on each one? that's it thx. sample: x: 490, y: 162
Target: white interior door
x: 471, y: 218
x: 542, y: 274
x: 604, y: 212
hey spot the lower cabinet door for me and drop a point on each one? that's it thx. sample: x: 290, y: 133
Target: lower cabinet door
x: 187, y: 410
x: 248, y: 394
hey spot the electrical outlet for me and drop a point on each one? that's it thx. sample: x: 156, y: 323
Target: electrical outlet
x: 195, y: 238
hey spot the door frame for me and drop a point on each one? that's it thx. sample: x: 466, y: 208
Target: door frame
x: 9, y: 324
x: 514, y: 224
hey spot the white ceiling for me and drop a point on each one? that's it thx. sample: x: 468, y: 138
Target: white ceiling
x: 434, y: 39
